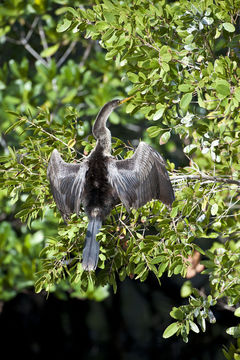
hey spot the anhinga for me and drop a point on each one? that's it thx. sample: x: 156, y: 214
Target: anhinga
x: 101, y: 181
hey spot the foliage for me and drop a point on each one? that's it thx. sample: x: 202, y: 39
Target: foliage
x: 180, y: 61
x: 40, y: 84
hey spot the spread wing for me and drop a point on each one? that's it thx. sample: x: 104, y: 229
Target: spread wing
x: 66, y: 182
x: 141, y: 178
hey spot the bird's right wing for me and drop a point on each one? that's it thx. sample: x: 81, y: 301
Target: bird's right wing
x: 141, y: 178
x: 67, y: 182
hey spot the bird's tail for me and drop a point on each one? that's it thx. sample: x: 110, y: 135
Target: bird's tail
x: 91, y: 248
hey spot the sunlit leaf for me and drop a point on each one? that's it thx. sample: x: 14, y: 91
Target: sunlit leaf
x: 50, y: 51
x: 185, y: 101
x: 64, y: 25
x: 165, y: 137
x: 229, y: 27
x: 171, y: 330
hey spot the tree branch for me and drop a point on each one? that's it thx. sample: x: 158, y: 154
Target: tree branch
x: 24, y: 41
x: 205, y: 178
x: 67, y: 53
x: 33, y: 52
x: 51, y: 135
x: 86, y: 54
x: 43, y: 38
x: 30, y: 32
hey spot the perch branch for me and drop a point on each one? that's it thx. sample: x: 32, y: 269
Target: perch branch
x: 205, y: 178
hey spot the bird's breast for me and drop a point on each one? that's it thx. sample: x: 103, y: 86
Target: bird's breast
x: 99, y: 196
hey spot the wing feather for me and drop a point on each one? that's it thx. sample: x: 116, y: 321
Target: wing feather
x: 141, y: 178
x: 67, y: 182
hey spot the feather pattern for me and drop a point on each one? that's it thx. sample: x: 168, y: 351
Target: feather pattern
x: 141, y: 178
x: 91, y: 248
x: 66, y: 181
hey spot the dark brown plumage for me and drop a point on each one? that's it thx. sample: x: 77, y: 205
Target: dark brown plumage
x: 100, y: 181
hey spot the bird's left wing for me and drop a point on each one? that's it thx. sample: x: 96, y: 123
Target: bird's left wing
x: 67, y: 182
x: 141, y: 178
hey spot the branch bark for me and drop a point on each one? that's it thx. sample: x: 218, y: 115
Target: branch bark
x: 205, y: 178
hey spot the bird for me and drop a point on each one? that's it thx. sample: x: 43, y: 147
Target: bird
x: 100, y: 181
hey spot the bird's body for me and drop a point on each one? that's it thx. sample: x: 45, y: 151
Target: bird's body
x: 99, y: 197
x: 100, y: 182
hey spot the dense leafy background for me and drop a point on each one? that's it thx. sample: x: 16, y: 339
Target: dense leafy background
x: 60, y: 62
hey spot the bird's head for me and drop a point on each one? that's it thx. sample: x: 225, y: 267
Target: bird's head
x: 115, y: 103
x: 99, y: 128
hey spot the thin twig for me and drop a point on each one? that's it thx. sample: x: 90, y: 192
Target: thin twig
x: 52, y: 136
x: 13, y: 41
x: 86, y: 54
x: 225, y: 306
x: 43, y: 38
x: 67, y: 53
x: 33, y: 52
x: 46, y: 132
x: 30, y: 32
x: 24, y: 41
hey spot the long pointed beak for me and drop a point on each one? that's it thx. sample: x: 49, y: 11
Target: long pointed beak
x: 126, y: 99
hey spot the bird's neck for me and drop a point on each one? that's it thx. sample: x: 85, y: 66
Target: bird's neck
x: 101, y: 132
x: 104, y: 144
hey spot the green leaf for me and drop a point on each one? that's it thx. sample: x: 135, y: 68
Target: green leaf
x: 222, y: 87
x: 50, y: 51
x: 174, y: 212
x: 185, y: 88
x: 2, y: 85
x: 202, y: 323
x: 165, y: 137
x: 165, y: 54
x: 237, y: 94
x: 117, y: 152
x: 140, y: 267
x: 64, y: 25
x: 111, y: 54
x: 12, y: 153
x: 193, y: 327
x: 185, y: 101
x: 130, y: 107
x: 190, y: 149
x: 15, y: 124
x: 162, y: 268
x: 71, y: 143
x: 234, y: 331
x: 153, y: 131
x: 177, y: 314
x: 102, y: 25
x: 214, y: 209
x: 186, y: 289
x: 229, y: 27
x: 197, y: 248
x: 65, y: 9
x: 132, y: 77
x: 171, y: 330
x: 13, y: 113
x: 237, y: 312
x: 158, y: 114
